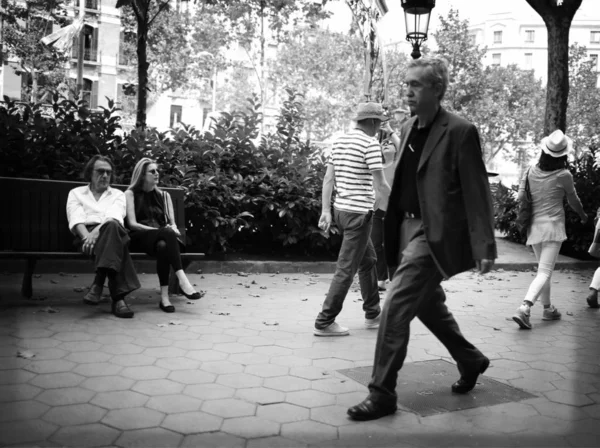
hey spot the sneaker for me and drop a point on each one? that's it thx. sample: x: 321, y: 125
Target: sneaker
x: 551, y: 313
x: 373, y: 324
x: 332, y: 330
x: 522, y: 317
x: 381, y: 285
x: 592, y: 299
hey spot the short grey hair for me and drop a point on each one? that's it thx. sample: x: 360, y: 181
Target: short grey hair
x: 436, y: 71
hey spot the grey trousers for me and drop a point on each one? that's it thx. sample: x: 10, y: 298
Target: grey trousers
x: 414, y: 291
x: 356, y: 255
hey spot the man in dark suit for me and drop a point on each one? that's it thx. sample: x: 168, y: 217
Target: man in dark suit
x: 439, y: 222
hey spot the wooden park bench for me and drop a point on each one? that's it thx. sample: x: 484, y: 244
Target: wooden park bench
x: 34, y: 225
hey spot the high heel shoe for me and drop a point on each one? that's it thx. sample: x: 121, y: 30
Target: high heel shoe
x: 166, y: 308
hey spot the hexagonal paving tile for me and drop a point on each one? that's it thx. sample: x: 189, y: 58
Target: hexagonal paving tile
x: 119, y: 399
x: 250, y: 427
x: 21, y: 410
x: 65, y: 396
x: 88, y: 357
x: 57, y: 380
x: 16, y: 392
x: 97, y: 369
x: 336, y: 385
x: 309, y: 372
x: 150, y: 438
x: 158, y: 387
x: 266, y: 370
x: 15, y: 376
x: 25, y: 432
x: 238, y: 380
x: 122, y: 349
x: 80, y: 346
x: 133, y: 418
x: 310, y: 398
x: 248, y: 358
x: 287, y: 383
x: 107, y: 383
x: 283, y: 413
x: 260, y: 395
x: 144, y: 373
x: 209, y: 391
x: 50, y: 366
x: 85, y: 435
x: 567, y: 397
x: 275, y: 442
x: 136, y: 360
x: 192, y: 422
x: 230, y: 407
x: 50, y: 353
x: 332, y: 415
x: 308, y: 431
x: 213, y: 440
x: 221, y: 367
x: 171, y: 404
x: 178, y: 364
x: 206, y: 355
x: 192, y: 377
x: 165, y: 352
x: 74, y: 414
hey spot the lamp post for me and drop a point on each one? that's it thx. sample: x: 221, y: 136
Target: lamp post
x: 416, y: 15
x: 214, y: 77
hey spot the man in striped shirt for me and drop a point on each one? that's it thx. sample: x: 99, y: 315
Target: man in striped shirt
x: 355, y: 165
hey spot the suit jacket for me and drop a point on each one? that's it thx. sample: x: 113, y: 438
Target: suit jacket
x: 454, y: 197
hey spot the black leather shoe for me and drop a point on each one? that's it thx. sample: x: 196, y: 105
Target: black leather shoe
x: 368, y: 410
x: 194, y: 296
x: 121, y: 309
x: 166, y: 308
x: 467, y: 382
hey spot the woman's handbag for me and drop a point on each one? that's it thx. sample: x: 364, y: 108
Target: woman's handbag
x: 525, y: 208
x: 594, y: 249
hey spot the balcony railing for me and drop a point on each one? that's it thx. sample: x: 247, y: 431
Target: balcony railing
x: 90, y: 55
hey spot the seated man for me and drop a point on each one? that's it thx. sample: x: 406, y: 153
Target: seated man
x: 95, y: 213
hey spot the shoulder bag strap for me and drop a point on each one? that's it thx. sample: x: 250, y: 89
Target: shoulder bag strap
x: 527, y: 188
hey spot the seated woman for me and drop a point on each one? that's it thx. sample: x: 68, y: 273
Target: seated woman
x: 151, y: 220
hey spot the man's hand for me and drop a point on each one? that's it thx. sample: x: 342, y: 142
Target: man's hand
x: 484, y: 266
x: 175, y: 229
x: 325, y: 221
x: 584, y: 219
x: 89, y: 241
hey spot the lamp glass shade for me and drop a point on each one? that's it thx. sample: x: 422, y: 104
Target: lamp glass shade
x: 416, y: 15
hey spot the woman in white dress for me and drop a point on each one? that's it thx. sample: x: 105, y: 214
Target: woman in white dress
x: 549, y: 183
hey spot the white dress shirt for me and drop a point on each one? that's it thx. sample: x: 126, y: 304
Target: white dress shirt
x: 82, y: 207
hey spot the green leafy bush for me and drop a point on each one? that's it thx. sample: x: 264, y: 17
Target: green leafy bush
x: 244, y: 191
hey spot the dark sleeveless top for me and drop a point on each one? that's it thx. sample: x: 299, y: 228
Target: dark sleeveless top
x: 150, y: 208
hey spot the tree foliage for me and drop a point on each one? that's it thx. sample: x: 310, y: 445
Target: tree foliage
x: 23, y: 25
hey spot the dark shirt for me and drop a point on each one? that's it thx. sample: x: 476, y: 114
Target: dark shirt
x: 149, y: 208
x: 407, y: 170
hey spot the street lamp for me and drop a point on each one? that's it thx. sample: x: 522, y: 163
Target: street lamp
x: 416, y: 15
x: 214, y: 77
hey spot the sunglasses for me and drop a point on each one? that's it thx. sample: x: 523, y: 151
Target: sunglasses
x: 102, y: 172
x: 152, y: 171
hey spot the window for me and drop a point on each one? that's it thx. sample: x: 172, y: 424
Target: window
x: 90, y: 44
x: 497, y: 37
x: 528, y: 61
x: 496, y: 58
x: 127, y: 48
x: 176, y: 112
x: 90, y: 4
x: 530, y: 36
x: 594, y: 59
x: 595, y: 37
x: 473, y: 38
x: 90, y: 93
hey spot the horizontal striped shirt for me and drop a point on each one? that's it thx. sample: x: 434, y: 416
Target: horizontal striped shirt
x: 354, y: 156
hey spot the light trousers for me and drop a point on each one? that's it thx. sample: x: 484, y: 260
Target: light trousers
x: 546, y: 254
x: 596, y: 280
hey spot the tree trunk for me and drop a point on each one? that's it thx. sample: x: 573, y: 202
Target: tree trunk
x: 142, y: 73
x: 558, y: 22
x: 34, y: 85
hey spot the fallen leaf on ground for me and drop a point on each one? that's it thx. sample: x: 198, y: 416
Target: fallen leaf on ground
x: 48, y: 309
x: 425, y: 392
x: 190, y: 303
x: 270, y: 323
x: 253, y: 282
x: 37, y: 276
x: 263, y: 287
x: 54, y: 281
x: 237, y: 304
x: 25, y: 354
x: 497, y: 329
x: 78, y: 289
x: 219, y: 313
x: 304, y: 300
x: 175, y: 322
x: 242, y: 274
x: 199, y: 271
x: 161, y: 325
x: 569, y: 313
x: 254, y: 295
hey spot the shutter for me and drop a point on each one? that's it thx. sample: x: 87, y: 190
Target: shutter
x: 94, y: 44
x: 94, y: 98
